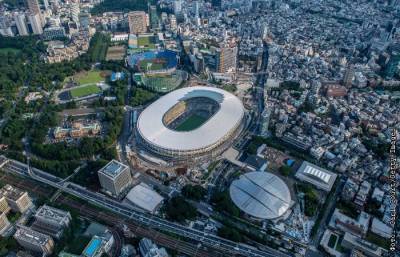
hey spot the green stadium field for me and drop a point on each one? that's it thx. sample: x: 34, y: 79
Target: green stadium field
x: 153, y: 66
x: 144, y: 41
x: 191, y: 123
x: 84, y: 91
x: 91, y: 77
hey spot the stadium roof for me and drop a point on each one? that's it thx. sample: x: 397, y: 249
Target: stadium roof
x: 228, y: 117
x: 262, y: 195
x: 319, y: 177
x: 144, y: 197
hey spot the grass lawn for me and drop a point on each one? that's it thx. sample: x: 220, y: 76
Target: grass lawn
x: 90, y: 77
x: 9, y: 50
x: 378, y: 240
x: 191, y: 123
x: 153, y: 66
x: 146, y: 41
x: 84, y: 91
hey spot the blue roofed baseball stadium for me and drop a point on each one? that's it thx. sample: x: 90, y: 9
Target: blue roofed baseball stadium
x: 164, y: 61
x: 156, y: 70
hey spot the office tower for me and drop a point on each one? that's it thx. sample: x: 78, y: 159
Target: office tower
x: 392, y: 67
x: 18, y: 200
x: 115, y: 177
x: 177, y: 7
x: 348, y: 76
x: 172, y: 21
x: 137, y: 22
x: 36, y: 23
x: 154, y: 21
x: 197, y: 9
x: 5, y: 27
x: 216, y: 3
x: 46, y: 4
x: 75, y: 10
x: 4, y: 223
x: 20, y: 21
x: 34, y: 241
x: 227, y: 57
x: 84, y: 20
x: 33, y: 6
x: 51, y: 221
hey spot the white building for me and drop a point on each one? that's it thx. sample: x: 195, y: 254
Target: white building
x: 145, y: 197
x: 317, y: 176
x: 115, y: 178
x: 380, y: 228
x: 75, y: 10
x: 20, y: 22
x: 36, y: 23
x: 177, y: 6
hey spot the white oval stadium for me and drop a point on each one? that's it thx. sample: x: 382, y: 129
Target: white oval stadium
x: 261, y: 195
x: 190, y: 122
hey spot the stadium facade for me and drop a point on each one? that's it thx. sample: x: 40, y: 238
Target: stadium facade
x: 191, y: 123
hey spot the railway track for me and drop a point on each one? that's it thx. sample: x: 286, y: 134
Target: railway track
x: 109, y: 219
x: 159, y: 238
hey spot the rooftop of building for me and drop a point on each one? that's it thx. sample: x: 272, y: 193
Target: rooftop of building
x: 11, y: 192
x: 51, y: 213
x: 113, y: 168
x: 30, y: 235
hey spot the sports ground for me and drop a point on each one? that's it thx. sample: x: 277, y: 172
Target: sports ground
x: 90, y: 77
x: 84, y: 91
x: 146, y: 65
x: 192, y: 122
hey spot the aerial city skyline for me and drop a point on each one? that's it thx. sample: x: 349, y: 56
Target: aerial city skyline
x: 199, y: 128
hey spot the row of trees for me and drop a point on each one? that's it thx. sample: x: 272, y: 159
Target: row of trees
x: 98, y: 47
x: 178, y: 209
x: 121, y: 5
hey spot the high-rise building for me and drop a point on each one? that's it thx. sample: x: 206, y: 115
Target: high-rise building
x: 34, y: 241
x: 51, y: 221
x: 177, y: 7
x: 348, y: 76
x: 172, y: 21
x: 33, y: 6
x: 20, y: 22
x: 154, y: 20
x: 392, y: 67
x: 197, y: 9
x: 5, y: 27
x: 137, y: 22
x: 46, y: 4
x: 115, y: 178
x: 18, y: 200
x: 36, y: 23
x: 216, y: 3
x: 75, y: 10
x: 227, y: 57
x: 84, y: 20
x: 4, y: 223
